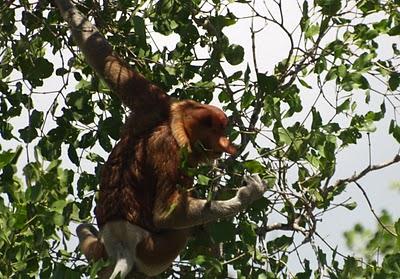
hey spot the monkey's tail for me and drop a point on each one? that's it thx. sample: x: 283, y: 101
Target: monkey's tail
x: 124, y: 262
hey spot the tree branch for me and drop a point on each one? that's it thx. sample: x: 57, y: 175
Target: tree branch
x: 355, y: 177
x: 282, y: 227
x: 373, y: 211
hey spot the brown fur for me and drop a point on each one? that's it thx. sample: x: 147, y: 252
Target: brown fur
x: 143, y: 178
x: 144, y: 189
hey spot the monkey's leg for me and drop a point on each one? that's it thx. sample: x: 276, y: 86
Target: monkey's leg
x: 92, y: 248
x: 133, y: 248
x: 89, y: 243
x: 157, y: 251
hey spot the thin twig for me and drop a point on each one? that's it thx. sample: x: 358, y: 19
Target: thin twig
x: 373, y: 211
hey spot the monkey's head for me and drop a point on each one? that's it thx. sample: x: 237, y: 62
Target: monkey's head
x: 201, y: 128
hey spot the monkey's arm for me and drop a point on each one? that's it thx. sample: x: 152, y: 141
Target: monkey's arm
x: 186, y: 212
x: 132, y: 88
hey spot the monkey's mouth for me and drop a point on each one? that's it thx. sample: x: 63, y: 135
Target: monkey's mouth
x: 216, y: 152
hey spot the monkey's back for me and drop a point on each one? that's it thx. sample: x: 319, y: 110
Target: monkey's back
x: 139, y: 169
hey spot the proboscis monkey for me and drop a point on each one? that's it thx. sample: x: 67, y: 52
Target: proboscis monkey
x: 144, y: 209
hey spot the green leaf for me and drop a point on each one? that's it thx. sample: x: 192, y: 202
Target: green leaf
x: 320, y: 65
x: 253, y: 166
x: 368, y: 6
x: 304, y: 83
x: 35, y: 193
x: 248, y: 233
x: 112, y: 125
x: 329, y: 7
x: 94, y: 157
x: 32, y: 172
x: 268, y: 84
x: 235, y: 76
x: 85, y: 208
x: 58, y: 219
x: 6, y: 158
x: 394, y: 129
x: 332, y: 74
x: 391, y: 265
x: 28, y: 134
x: 72, y: 155
x: 342, y: 71
x: 87, y: 140
x: 343, y: 106
x: 321, y: 257
x: 36, y: 119
x: 203, y: 180
x: 350, y: 136
x: 397, y: 229
x: 61, y: 71
x: 105, y: 142
x: 279, y: 244
x: 222, y: 231
x: 311, y: 31
x: 363, y: 62
x: 78, y: 100
x: 247, y: 99
x: 140, y: 31
x: 350, y: 205
x: 394, y: 81
x: 212, y: 264
x: 43, y: 67
x: 58, y: 206
x: 285, y: 136
x: 86, y: 182
x: 49, y: 150
x: 54, y: 164
x: 306, y: 274
x: 316, y: 119
x: 358, y: 81
x: 395, y: 31
x: 234, y: 54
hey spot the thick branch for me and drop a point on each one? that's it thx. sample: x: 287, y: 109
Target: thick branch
x: 368, y: 169
x: 294, y: 226
x: 133, y: 89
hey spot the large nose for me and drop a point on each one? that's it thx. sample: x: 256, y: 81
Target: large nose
x: 226, y: 146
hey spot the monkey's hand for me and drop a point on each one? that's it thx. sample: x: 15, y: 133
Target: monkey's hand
x: 254, y: 189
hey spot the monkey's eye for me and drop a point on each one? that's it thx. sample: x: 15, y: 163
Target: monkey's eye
x: 207, y: 121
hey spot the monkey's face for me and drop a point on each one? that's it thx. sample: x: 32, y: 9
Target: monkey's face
x: 206, y: 127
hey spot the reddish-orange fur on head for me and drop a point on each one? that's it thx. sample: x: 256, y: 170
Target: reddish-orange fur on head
x: 203, y: 129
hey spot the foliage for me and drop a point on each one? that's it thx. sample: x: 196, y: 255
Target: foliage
x: 58, y: 122
x: 378, y: 251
